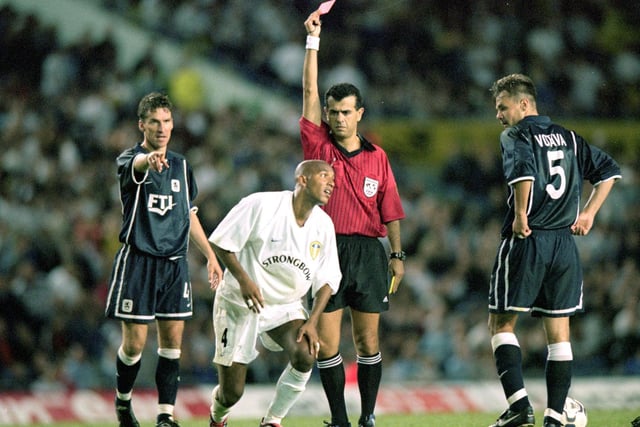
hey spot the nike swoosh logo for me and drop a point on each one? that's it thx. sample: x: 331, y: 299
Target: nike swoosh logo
x: 507, y: 421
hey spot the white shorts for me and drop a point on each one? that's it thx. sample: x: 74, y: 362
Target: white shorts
x: 237, y: 329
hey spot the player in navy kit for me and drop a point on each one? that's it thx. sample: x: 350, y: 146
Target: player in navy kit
x: 365, y: 207
x: 150, y: 278
x: 537, y: 267
x: 276, y: 246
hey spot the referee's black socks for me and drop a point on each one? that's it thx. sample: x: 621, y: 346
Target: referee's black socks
x: 369, y: 376
x: 333, y: 380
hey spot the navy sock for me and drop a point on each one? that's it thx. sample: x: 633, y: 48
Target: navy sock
x: 126, y: 375
x: 509, y: 366
x: 167, y: 379
x: 558, y: 376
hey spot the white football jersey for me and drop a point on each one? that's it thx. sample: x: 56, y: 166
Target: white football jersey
x: 284, y: 259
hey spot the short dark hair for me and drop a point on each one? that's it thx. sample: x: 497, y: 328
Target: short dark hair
x: 514, y: 84
x: 342, y: 90
x: 152, y: 102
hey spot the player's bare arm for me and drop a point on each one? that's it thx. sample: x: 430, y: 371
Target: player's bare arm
x: 587, y: 215
x: 198, y: 236
x: 521, y: 189
x: 250, y: 292
x: 154, y: 160
x: 311, y: 104
x: 309, y: 330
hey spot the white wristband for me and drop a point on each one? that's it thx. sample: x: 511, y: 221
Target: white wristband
x: 313, y: 42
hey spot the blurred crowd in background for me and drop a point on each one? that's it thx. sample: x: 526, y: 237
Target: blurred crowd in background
x: 67, y: 111
x: 583, y: 55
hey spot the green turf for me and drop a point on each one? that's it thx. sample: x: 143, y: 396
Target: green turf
x: 597, y: 418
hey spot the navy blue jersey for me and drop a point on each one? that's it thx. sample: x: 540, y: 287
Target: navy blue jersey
x: 156, y: 206
x: 558, y: 161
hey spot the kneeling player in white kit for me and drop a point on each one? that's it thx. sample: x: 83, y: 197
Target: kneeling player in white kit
x: 275, y: 246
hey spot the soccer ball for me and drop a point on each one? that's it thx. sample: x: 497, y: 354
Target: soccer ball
x: 574, y: 413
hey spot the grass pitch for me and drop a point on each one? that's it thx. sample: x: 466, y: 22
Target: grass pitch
x: 597, y: 418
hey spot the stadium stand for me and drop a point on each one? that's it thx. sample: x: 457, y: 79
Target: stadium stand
x: 66, y: 111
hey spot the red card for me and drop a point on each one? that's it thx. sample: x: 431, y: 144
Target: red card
x: 325, y: 7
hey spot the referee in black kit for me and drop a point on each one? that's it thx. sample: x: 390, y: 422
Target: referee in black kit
x: 537, y: 268
x: 150, y: 278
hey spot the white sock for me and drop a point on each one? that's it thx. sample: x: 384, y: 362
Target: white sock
x: 126, y: 359
x: 290, y: 386
x: 218, y: 411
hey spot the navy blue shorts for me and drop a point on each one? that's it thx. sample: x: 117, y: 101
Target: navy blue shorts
x: 144, y: 288
x: 365, y: 275
x: 540, y: 274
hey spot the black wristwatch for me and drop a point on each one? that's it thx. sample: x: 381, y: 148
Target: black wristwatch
x: 399, y: 255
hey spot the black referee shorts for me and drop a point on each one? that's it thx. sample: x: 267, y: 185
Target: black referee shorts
x: 365, y: 275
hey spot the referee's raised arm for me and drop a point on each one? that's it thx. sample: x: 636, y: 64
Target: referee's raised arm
x: 311, y: 104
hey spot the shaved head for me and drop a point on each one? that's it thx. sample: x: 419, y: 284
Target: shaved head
x: 310, y: 167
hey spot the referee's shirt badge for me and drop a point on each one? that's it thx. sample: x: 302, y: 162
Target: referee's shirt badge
x: 370, y: 187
